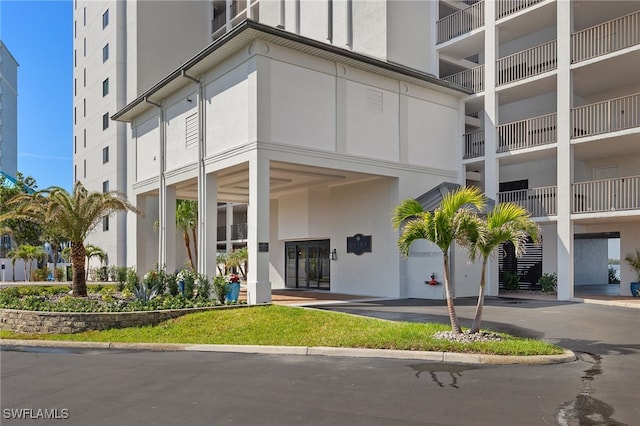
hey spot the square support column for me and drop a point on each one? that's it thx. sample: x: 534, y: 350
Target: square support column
x: 208, y: 225
x: 258, y: 285
x: 167, y: 251
x: 146, y: 241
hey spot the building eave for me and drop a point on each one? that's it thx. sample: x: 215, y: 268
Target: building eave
x: 248, y: 31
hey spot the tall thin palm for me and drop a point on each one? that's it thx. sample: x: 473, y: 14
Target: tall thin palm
x: 454, y: 220
x: 92, y: 251
x: 186, y: 221
x: 74, y: 215
x: 506, y: 222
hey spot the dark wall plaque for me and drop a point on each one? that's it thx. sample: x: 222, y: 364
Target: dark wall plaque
x: 359, y: 244
x: 263, y: 247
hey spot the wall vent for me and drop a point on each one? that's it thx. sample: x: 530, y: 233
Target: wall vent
x: 374, y: 100
x: 191, y: 131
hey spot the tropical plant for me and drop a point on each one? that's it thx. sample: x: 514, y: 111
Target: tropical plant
x: 145, y: 292
x: 506, y: 222
x: 186, y: 221
x: 23, y: 230
x: 28, y: 254
x: 455, y: 220
x: 238, y: 259
x: 74, y: 215
x: 548, y: 283
x: 613, y: 275
x: 634, y: 262
x: 203, y: 286
x: 221, y: 262
x: 92, y: 251
x: 511, y: 280
x: 13, y: 255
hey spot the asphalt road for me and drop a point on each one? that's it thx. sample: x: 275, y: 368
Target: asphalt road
x: 96, y: 387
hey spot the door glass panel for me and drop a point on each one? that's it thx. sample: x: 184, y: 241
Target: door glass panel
x: 291, y: 263
x: 302, y: 267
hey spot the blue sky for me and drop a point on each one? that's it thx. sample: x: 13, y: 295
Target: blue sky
x: 39, y: 35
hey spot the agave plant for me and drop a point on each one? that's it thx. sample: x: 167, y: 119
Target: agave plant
x: 144, y: 292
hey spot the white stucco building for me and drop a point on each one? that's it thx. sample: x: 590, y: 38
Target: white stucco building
x: 8, y: 112
x: 300, y: 124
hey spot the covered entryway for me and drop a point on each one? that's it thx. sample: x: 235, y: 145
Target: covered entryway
x: 307, y: 264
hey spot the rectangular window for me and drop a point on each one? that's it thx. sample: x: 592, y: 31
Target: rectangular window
x: 75, y: 172
x: 105, y: 52
x: 74, y: 115
x: 75, y: 87
x: 84, y: 77
x: 105, y: 87
x: 105, y: 121
x: 75, y: 58
x: 105, y: 223
x: 84, y: 14
x: 84, y: 166
x: 84, y: 137
x: 84, y: 107
x: 105, y: 155
x: 75, y: 144
x: 105, y: 186
x: 84, y: 47
x: 105, y: 19
x: 75, y: 28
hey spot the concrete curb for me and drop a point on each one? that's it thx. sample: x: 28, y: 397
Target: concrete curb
x: 449, y: 357
x: 620, y: 303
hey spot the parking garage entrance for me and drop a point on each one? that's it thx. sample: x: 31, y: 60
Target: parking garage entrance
x: 307, y: 264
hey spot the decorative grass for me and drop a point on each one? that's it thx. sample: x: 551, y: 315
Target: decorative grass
x: 290, y: 326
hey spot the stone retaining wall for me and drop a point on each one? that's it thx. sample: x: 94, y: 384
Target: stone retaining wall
x: 20, y: 321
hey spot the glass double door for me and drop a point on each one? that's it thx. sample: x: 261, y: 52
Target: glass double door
x: 307, y: 264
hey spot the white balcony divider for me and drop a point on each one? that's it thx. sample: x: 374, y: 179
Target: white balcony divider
x: 472, y: 79
x: 606, y: 195
x: 527, y: 63
x: 539, y: 202
x: 507, y: 7
x: 461, y: 22
x: 607, y: 37
x: 527, y: 133
x: 473, y: 144
x: 606, y: 116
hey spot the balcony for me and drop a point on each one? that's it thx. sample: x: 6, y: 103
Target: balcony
x: 508, y: 7
x: 608, y: 37
x: 472, y: 79
x: 527, y: 133
x: 473, y: 144
x: 606, y: 195
x: 606, y: 116
x: 539, y: 202
x: 461, y: 22
x: 527, y: 63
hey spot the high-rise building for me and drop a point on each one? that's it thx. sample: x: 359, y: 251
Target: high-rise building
x: 8, y: 112
x: 548, y: 100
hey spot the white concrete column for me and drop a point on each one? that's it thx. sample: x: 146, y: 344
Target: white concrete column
x: 491, y: 121
x: 565, y: 153
x: 145, y: 241
x: 229, y: 226
x: 167, y: 229
x: 208, y: 225
x: 258, y: 285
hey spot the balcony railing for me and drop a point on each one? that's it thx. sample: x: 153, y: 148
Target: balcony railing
x: 507, y: 7
x: 539, y: 202
x: 527, y: 133
x: 527, y: 63
x: 606, y: 195
x: 239, y: 231
x: 472, y: 79
x: 473, y: 144
x: 221, y: 233
x: 461, y: 22
x: 608, y: 37
x: 606, y: 116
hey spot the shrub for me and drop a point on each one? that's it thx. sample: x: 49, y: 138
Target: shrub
x: 203, y: 286
x: 220, y: 288
x: 511, y: 281
x: 132, y: 278
x: 172, y: 285
x: 60, y: 274
x: 106, y: 294
x: 187, y: 277
x: 121, y: 277
x: 145, y: 292
x: 549, y: 283
x: 112, y: 273
x: 40, y: 274
x: 102, y: 274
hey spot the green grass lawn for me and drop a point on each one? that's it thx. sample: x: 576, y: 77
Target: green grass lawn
x: 290, y: 326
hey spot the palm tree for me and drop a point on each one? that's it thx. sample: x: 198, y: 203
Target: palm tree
x: 28, y: 253
x: 238, y: 259
x: 13, y: 255
x: 506, y: 222
x: 74, y: 215
x: 93, y: 251
x: 221, y: 259
x: 455, y: 220
x: 187, y: 221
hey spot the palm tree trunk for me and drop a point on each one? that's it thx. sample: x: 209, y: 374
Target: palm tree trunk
x: 453, y: 318
x: 187, y: 245
x: 195, y: 243
x: 475, y: 327
x: 79, y: 285
x: 25, y: 269
x: 54, y: 246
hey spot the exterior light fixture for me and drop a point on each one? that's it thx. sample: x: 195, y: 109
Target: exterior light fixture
x: 333, y: 255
